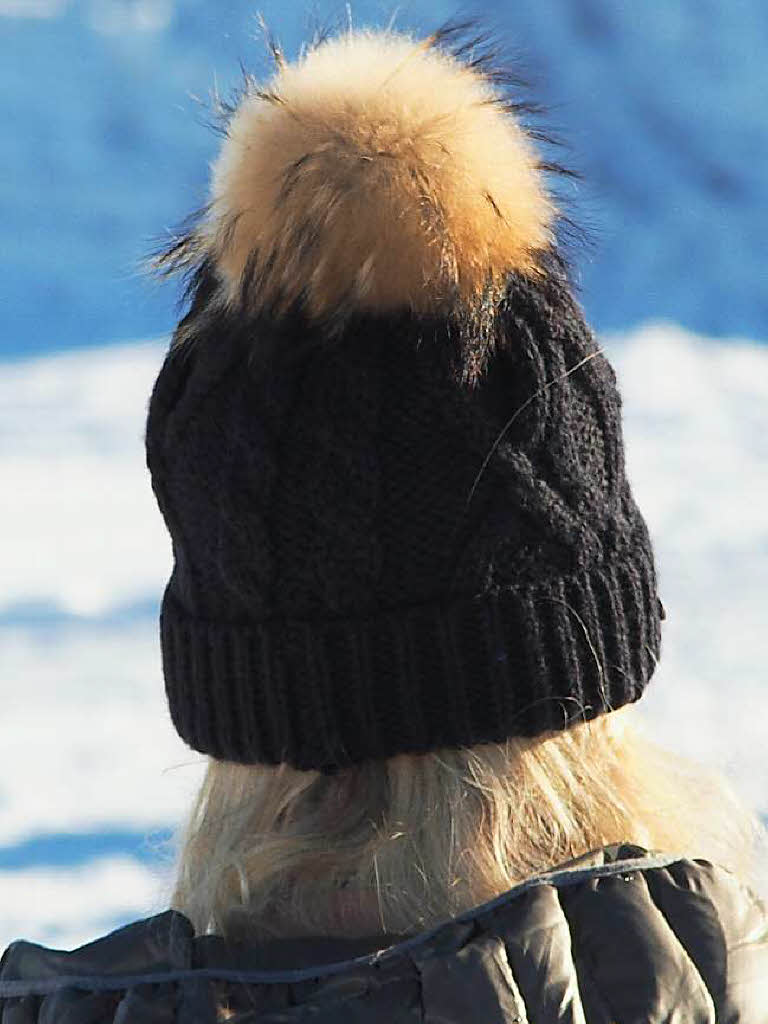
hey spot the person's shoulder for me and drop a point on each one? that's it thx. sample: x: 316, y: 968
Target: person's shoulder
x: 159, y: 943
x: 620, y: 934
x: 38, y: 983
x: 634, y: 931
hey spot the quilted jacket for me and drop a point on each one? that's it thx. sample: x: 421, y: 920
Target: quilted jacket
x: 618, y: 937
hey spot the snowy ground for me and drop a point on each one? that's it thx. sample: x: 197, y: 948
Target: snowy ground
x: 92, y: 777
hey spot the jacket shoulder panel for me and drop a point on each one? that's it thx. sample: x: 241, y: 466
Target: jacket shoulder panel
x: 603, y: 940
x: 153, y: 945
x: 724, y: 927
x: 628, y: 961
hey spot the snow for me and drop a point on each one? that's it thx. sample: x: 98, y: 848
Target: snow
x: 72, y: 428
x: 87, y: 750
x: 70, y: 908
x: 87, y: 742
x: 697, y: 449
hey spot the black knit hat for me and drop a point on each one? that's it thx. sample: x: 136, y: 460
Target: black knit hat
x: 384, y: 441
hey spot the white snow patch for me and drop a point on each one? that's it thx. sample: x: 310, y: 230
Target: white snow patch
x: 696, y: 424
x: 87, y: 742
x: 81, y: 531
x: 65, y: 909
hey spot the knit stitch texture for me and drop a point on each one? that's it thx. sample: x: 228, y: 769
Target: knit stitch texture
x: 375, y: 555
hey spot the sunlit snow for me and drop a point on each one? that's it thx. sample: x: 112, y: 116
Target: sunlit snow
x: 87, y: 750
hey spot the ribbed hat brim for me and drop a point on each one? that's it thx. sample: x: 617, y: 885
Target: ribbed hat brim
x: 513, y: 662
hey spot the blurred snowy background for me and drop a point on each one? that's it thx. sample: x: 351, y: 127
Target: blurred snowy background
x: 662, y: 105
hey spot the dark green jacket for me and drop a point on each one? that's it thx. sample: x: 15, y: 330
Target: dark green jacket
x: 618, y: 937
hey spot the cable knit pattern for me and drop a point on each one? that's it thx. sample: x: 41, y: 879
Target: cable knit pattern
x: 374, y: 556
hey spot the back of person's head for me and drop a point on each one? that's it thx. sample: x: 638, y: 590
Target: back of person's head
x: 412, y: 590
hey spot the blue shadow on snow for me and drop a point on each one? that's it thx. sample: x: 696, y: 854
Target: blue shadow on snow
x: 69, y: 850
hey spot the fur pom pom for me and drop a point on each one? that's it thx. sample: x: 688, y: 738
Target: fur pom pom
x: 377, y: 173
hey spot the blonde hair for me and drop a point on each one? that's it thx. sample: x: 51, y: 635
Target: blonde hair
x: 399, y: 845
